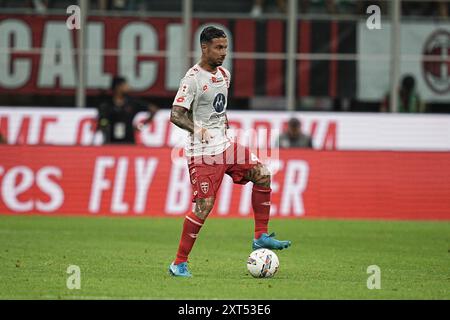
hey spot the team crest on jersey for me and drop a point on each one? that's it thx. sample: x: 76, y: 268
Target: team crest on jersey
x: 219, y: 102
x: 204, y: 186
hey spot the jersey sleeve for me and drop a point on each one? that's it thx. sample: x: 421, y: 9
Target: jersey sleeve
x: 186, y: 92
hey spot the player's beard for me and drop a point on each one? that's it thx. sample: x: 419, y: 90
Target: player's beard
x: 216, y: 63
x: 219, y: 62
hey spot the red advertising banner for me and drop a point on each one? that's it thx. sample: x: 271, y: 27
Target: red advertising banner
x: 147, y: 51
x: 140, y: 181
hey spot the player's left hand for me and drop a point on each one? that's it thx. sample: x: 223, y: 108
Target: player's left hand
x: 204, y: 135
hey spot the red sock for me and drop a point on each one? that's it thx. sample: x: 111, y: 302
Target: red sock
x: 191, y: 227
x: 261, y: 208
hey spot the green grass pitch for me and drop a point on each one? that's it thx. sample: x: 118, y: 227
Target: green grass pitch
x: 127, y: 258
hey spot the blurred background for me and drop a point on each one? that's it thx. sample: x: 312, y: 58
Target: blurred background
x: 306, y: 55
x: 367, y: 82
x: 356, y: 95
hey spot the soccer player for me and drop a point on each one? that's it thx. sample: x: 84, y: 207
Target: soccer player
x: 200, y: 108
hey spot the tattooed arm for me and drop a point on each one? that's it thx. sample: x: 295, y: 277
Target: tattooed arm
x: 179, y: 117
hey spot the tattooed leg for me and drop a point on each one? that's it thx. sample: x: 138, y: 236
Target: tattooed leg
x: 203, y: 207
x: 259, y: 175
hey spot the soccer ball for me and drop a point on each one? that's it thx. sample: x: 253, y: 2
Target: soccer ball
x: 263, y: 263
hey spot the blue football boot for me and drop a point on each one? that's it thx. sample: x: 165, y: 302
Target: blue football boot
x: 269, y: 242
x: 179, y: 270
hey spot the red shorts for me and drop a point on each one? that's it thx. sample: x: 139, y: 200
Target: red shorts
x: 207, y: 172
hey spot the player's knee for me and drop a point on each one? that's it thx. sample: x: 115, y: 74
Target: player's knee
x: 203, y: 207
x: 263, y: 177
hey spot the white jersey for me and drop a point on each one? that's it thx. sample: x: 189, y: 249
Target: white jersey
x: 205, y: 94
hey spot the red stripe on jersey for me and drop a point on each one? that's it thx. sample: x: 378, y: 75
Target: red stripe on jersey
x: 227, y: 80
